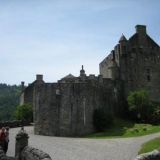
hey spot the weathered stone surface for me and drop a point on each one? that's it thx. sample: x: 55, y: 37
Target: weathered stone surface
x: 4, y: 157
x: 154, y: 155
x: 135, y: 61
x: 25, y: 152
x: 30, y: 153
x: 66, y: 108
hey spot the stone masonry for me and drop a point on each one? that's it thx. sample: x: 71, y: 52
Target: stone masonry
x: 66, y: 108
x: 136, y: 61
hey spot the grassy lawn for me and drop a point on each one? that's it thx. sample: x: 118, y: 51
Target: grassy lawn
x: 150, y: 146
x: 123, y: 128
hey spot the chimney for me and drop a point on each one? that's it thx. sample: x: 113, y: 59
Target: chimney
x: 39, y: 77
x: 141, y: 32
x: 22, y: 86
x: 141, y: 29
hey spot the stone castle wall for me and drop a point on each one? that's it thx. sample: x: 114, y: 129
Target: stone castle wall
x: 66, y: 109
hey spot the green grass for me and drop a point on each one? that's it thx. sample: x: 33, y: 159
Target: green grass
x: 150, y: 146
x: 123, y: 128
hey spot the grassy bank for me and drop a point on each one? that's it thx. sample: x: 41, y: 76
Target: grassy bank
x: 124, y: 128
x: 150, y: 146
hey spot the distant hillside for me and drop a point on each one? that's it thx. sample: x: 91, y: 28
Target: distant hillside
x: 9, y: 99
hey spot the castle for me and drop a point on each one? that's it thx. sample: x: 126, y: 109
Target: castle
x: 66, y: 108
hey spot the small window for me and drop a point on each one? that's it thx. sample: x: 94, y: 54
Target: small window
x: 148, y: 78
x: 148, y: 75
x: 148, y: 71
x: 133, y: 50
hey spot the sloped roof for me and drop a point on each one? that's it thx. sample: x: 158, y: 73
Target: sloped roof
x: 69, y: 76
x: 134, y: 40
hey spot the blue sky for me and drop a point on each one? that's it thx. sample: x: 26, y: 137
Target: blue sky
x: 55, y: 37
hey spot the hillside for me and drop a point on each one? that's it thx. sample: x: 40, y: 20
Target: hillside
x: 9, y: 99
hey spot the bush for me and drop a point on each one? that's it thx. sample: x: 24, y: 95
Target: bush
x: 102, y: 119
x: 142, y: 108
x: 155, y: 116
x: 24, y: 113
x: 140, y: 105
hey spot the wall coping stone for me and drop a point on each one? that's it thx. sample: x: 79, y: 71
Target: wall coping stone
x: 35, y: 153
x: 154, y: 155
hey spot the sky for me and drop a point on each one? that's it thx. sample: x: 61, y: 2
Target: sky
x: 56, y: 37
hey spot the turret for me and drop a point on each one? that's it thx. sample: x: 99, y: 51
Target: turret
x: 22, y: 86
x: 123, y: 45
x: 82, y: 72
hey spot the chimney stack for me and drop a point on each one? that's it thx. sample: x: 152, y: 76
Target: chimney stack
x: 141, y: 32
x: 141, y: 29
x: 39, y: 77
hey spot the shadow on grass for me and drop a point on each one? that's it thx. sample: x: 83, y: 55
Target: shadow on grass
x: 124, y: 128
x: 118, y: 129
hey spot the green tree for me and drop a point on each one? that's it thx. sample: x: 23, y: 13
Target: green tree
x: 24, y: 113
x: 140, y: 105
x: 9, y: 99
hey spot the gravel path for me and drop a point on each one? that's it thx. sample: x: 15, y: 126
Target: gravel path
x: 82, y: 148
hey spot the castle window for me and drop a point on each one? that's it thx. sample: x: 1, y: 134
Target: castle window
x: 124, y: 49
x: 148, y: 75
x: 148, y: 71
x: 148, y: 78
x: 57, y: 92
x: 71, y: 108
x: 133, y: 49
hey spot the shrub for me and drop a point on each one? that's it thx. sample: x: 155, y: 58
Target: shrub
x: 155, y: 116
x: 24, y: 113
x: 102, y: 119
x: 140, y: 105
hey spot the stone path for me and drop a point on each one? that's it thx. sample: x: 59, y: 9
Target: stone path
x: 82, y: 148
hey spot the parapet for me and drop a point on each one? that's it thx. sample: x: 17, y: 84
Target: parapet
x: 91, y: 76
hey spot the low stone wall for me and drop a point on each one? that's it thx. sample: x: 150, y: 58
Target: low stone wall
x: 154, y: 155
x: 3, y: 155
x: 30, y: 153
x: 25, y: 152
x: 13, y: 124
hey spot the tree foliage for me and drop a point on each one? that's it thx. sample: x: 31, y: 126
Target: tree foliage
x: 142, y: 108
x: 9, y: 99
x: 24, y: 113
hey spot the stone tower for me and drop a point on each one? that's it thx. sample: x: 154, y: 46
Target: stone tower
x: 138, y: 61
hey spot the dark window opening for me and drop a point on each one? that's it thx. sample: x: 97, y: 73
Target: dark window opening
x: 148, y: 74
x: 133, y: 50
x: 148, y: 78
x: 148, y: 71
x: 71, y: 108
